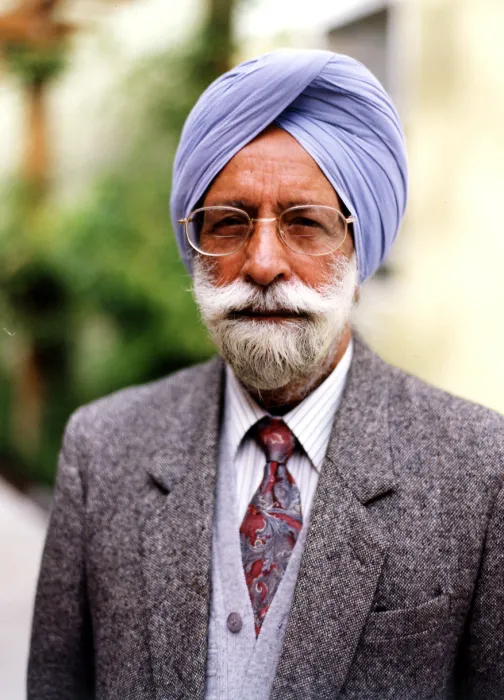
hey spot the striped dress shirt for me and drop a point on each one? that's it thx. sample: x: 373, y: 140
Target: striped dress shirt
x: 310, y: 421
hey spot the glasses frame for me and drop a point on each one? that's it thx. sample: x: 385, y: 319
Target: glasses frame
x: 347, y: 219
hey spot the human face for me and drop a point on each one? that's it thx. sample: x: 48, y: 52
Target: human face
x: 279, y: 318
x: 270, y: 174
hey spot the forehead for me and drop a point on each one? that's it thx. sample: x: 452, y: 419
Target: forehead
x: 274, y: 168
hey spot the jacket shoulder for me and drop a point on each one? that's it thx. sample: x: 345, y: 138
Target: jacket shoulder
x: 138, y: 411
x: 463, y: 432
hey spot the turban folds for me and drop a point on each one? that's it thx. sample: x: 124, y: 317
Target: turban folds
x: 337, y: 111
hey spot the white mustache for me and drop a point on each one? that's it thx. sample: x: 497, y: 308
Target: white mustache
x: 293, y: 297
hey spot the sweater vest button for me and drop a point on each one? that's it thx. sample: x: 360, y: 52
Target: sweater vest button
x: 234, y: 622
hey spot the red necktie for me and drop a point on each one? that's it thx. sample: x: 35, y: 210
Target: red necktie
x: 273, y: 519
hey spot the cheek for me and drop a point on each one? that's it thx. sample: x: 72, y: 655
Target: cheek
x: 314, y: 271
x: 348, y: 248
x: 226, y: 269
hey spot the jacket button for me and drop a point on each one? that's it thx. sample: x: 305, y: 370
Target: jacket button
x: 234, y: 622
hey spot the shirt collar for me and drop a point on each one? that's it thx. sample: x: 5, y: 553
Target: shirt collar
x: 310, y: 421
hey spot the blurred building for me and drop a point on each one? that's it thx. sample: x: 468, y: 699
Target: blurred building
x: 448, y: 310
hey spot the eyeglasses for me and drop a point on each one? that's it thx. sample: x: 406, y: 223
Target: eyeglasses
x: 313, y: 229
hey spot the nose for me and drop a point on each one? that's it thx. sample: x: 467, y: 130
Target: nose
x: 266, y: 257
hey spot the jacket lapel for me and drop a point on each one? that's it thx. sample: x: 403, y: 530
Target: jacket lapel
x: 177, y: 537
x: 346, y: 543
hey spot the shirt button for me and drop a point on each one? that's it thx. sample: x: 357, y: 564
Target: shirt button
x: 234, y: 622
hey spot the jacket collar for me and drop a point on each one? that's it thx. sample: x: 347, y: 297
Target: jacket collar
x: 190, y: 428
x: 360, y: 444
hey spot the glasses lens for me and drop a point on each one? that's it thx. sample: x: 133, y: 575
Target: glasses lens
x: 315, y: 230
x: 218, y: 230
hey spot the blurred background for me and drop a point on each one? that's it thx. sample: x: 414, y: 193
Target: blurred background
x: 93, y: 94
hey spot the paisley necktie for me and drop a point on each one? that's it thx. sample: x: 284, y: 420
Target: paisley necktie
x: 273, y: 519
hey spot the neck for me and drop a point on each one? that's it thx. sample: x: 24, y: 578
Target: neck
x: 280, y: 401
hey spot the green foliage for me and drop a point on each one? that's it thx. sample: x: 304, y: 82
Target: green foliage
x: 133, y: 289
x: 97, y: 290
x: 34, y: 66
x: 100, y: 296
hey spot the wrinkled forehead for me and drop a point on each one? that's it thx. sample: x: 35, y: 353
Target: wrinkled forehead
x: 273, y: 169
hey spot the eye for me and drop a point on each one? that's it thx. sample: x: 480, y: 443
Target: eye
x: 225, y: 224
x: 303, y: 226
x: 303, y: 221
x: 230, y: 221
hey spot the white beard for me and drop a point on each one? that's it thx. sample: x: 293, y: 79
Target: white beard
x: 268, y: 355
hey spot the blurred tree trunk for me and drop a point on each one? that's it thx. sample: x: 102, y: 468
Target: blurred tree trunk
x: 36, y: 164
x: 31, y: 39
x: 29, y: 383
x: 219, y: 32
x: 28, y: 402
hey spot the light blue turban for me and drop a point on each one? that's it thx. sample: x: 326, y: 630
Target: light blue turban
x: 336, y: 110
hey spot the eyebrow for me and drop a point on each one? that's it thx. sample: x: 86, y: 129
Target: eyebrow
x: 238, y: 203
x: 247, y: 206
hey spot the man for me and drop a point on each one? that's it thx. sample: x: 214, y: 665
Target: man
x: 294, y: 519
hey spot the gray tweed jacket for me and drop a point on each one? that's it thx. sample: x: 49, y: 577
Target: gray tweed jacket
x: 400, y: 594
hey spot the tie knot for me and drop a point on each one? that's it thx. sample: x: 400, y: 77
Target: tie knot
x: 275, y: 438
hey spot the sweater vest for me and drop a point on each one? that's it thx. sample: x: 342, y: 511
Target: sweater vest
x: 239, y: 666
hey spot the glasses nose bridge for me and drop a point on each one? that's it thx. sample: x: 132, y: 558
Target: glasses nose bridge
x: 264, y: 220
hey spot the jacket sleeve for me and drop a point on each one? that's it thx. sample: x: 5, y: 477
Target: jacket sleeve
x: 485, y: 680
x: 60, y: 665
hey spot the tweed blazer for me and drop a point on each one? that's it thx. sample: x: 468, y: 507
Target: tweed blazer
x: 400, y: 594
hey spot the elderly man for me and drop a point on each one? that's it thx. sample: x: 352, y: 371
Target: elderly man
x: 296, y: 518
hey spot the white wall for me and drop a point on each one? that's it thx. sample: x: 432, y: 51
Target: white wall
x: 264, y: 18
